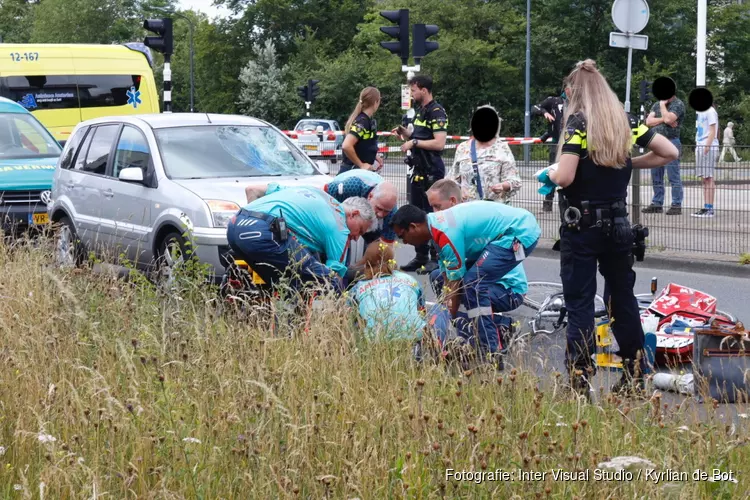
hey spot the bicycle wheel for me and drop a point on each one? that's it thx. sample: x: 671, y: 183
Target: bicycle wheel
x: 543, y: 310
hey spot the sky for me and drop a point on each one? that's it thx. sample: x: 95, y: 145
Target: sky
x: 205, y: 6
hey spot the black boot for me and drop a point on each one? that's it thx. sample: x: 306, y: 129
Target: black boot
x: 631, y: 383
x: 579, y: 383
x: 416, y: 263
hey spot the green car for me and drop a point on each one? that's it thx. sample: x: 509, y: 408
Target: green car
x: 28, y: 155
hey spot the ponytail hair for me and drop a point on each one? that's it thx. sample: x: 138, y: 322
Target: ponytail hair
x: 607, y: 127
x: 367, y: 98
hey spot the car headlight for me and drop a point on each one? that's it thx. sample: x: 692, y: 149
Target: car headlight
x: 222, y: 211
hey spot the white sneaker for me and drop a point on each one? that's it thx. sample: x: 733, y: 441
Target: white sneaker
x: 703, y: 213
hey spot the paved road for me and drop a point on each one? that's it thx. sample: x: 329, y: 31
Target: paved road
x: 545, y: 355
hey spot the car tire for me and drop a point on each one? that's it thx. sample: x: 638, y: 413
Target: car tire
x: 170, y: 253
x: 69, y: 250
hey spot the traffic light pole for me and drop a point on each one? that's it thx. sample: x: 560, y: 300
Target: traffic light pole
x: 167, y: 83
x: 307, y: 107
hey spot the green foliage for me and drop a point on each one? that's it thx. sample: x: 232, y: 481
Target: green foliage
x: 89, y: 21
x: 264, y: 93
x: 481, y: 57
x: 16, y: 17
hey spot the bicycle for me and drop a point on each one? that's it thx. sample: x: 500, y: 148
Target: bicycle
x: 546, y: 300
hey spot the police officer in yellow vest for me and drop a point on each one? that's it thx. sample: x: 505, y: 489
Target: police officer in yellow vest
x: 424, y: 148
x: 594, y: 168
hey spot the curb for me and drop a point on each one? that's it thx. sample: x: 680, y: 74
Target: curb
x: 696, y: 264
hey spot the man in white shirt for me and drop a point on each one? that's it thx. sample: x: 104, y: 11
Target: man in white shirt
x: 706, y: 153
x: 728, y: 142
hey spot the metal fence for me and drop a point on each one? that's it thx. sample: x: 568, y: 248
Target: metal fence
x: 728, y: 232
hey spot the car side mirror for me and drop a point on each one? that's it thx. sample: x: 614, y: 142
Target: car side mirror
x: 323, y: 167
x: 131, y: 174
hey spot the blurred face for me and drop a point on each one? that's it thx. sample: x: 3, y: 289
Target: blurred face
x: 438, y: 203
x: 383, y: 205
x: 356, y: 224
x: 413, y: 234
x: 377, y: 105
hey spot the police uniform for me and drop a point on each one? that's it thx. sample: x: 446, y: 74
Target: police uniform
x: 359, y: 183
x: 601, y: 235
x: 315, y: 222
x: 365, y: 130
x: 427, y: 166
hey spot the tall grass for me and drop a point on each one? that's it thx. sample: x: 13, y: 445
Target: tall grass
x: 112, y: 389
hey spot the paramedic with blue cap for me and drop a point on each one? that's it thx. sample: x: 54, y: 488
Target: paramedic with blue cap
x: 287, y: 228
x: 479, y: 243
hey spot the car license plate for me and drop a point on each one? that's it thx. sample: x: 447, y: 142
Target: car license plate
x: 310, y: 147
x: 38, y: 219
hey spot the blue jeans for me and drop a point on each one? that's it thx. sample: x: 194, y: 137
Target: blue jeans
x: 252, y: 240
x: 673, y: 173
x: 482, y: 296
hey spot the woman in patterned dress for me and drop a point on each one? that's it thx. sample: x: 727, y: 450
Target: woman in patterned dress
x: 498, y: 175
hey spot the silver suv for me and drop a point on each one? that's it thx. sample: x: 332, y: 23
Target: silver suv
x: 148, y: 188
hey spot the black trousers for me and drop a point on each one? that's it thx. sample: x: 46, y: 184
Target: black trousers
x: 580, y: 252
x: 418, y: 197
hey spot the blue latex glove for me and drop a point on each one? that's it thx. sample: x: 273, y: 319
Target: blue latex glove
x: 543, y: 177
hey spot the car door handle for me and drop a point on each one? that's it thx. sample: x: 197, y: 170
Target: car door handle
x: 70, y: 185
x: 109, y: 193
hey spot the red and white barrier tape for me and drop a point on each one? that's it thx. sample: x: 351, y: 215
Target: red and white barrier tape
x: 514, y: 141
x: 382, y: 148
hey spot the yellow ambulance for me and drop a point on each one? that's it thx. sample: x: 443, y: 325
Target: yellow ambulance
x: 62, y: 85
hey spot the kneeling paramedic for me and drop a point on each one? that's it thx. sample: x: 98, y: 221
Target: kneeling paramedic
x: 381, y: 194
x: 594, y: 168
x: 281, y: 233
x: 478, y: 243
x: 508, y: 292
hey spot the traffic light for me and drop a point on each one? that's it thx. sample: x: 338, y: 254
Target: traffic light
x: 422, y: 46
x: 163, y: 28
x: 313, y: 90
x: 400, y: 32
x: 302, y: 92
x: 645, y: 94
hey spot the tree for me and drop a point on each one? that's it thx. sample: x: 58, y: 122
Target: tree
x: 16, y: 18
x: 284, y: 20
x: 91, y: 21
x: 264, y: 92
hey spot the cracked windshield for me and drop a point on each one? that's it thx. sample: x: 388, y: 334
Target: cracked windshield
x: 229, y: 151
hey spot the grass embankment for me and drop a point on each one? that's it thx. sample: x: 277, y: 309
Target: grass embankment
x: 110, y: 389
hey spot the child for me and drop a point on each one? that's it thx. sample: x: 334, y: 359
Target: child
x: 390, y: 303
x: 706, y: 153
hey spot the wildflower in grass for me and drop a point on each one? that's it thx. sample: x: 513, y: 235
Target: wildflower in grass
x: 2, y: 451
x: 191, y: 440
x: 46, y: 438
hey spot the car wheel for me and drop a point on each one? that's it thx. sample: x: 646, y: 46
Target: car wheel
x: 170, y: 255
x: 68, y: 247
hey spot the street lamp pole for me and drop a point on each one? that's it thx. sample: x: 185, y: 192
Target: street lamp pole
x: 527, y: 113
x: 190, y: 24
x: 700, y: 52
